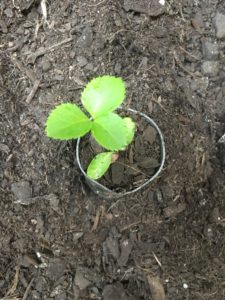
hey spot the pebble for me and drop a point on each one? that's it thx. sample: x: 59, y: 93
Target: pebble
x: 208, y: 231
x: 149, y: 134
x: 113, y: 247
x: 171, y: 212
x: 220, y: 25
x: 89, y: 67
x: 55, y: 269
x: 86, y: 38
x: 2, y: 283
x: 114, y: 292
x: 45, y: 65
x: 35, y: 295
x: 185, y: 286
x: 210, y: 68
x: 151, y: 8
x: 8, y: 12
x: 22, y: 190
x: 126, y: 247
x: 197, y: 22
x: 210, y: 50
x: 81, y: 61
x: 80, y: 279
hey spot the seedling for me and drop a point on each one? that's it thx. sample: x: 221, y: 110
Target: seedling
x: 100, y: 98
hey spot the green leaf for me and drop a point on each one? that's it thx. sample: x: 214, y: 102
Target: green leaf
x: 110, y: 132
x: 67, y: 121
x: 130, y: 127
x: 99, y: 165
x: 103, y: 95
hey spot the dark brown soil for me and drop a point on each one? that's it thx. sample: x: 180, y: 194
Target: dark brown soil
x: 60, y: 241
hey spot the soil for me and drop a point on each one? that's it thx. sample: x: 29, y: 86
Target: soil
x: 58, y: 240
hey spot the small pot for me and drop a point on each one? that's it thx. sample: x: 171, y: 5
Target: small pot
x: 106, y: 193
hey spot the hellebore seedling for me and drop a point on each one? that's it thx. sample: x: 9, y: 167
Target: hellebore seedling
x: 100, y: 98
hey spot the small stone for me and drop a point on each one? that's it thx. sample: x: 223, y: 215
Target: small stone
x: 86, y: 38
x: 45, y: 65
x: 80, y: 279
x: 55, y: 269
x: 220, y: 25
x: 8, y: 12
x: 148, y: 163
x: 72, y: 54
x: 215, y: 215
x: 144, y: 63
x: 210, y: 50
x: 22, y: 190
x: 126, y: 247
x: 210, y: 68
x: 113, y: 247
x: 114, y: 292
x: 77, y: 236
x: 81, y: 61
x: 89, y: 67
x: 152, y: 8
x: 59, y: 77
x: 171, y: 212
x: 61, y: 296
x: 208, y: 231
x: 35, y: 295
x: 117, y: 171
x: 2, y: 283
x: 185, y: 286
x: 117, y: 68
x: 149, y: 134
x: 197, y: 22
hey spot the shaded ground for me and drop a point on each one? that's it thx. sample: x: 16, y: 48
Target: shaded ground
x: 60, y: 241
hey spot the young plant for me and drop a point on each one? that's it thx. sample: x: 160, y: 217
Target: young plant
x: 100, y: 98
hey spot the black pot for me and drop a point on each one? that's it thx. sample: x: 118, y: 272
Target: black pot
x: 103, y: 191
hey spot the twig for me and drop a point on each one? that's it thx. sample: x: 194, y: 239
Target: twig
x: 27, y: 289
x: 159, y: 103
x: 33, y: 90
x: 183, y: 68
x: 32, y: 58
x: 19, y: 65
x: 130, y: 225
x: 99, y: 214
x: 188, y: 53
x: 92, y: 5
x: 157, y: 260
x: 15, y: 282
x: 132, y: 168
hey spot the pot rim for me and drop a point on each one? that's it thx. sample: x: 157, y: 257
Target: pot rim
x: 98, y: 188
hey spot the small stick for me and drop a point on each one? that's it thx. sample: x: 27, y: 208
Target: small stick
x: 32, y: 58
x: 19, y: 65
x: 183, y: 68
x: 27, y: 289
x: 157, y: 260
x: 15, y: 282
x: 33, y: 90
x: 99, y: 214
x: 132, y: 168
x: 188, y: 53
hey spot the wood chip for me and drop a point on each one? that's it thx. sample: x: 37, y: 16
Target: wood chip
x: 156, y: 287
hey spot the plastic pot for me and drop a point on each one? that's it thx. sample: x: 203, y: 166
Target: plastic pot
x: 106, y: 193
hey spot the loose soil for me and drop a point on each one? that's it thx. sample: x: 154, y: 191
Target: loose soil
x: 58, y: 240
